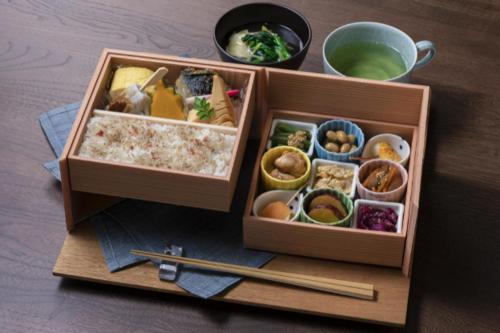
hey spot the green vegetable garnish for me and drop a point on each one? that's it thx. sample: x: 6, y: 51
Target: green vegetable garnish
x: 288, y: 135
x: 266, y: 46
x: 203, y: 109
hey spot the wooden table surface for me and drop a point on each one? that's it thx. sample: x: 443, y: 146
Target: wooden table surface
x: 48, y: 51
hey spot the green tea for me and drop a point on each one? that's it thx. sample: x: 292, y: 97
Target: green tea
x: 368, y: 60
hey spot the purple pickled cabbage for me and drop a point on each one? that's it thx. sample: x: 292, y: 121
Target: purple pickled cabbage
x: 377, y: 219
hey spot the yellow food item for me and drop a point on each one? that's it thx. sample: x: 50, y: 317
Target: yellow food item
x: 386, y: 152
x: 166, y: 103
x: 276, y: 210
x: 224, y: 113
x: 126, y: 76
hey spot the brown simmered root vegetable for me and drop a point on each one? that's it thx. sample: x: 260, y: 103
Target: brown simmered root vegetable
x: 327, y: 208
x: 329, y: 200
x: 323, y: 213
x: 291, y: 163
x: 395, y: 180
x: 383, y: 179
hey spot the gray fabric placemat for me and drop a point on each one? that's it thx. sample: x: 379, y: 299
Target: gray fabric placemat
x: 135, y: 224
x: 56, y: 125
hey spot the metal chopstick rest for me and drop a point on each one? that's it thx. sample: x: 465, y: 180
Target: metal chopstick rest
x: 168, y: 270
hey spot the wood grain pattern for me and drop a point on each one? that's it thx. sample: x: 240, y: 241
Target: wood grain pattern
x: 74, y: 209
x: 358, y: 97
x: 415, y: 173
x: 166, y: 121
x: 48, y: 52
x: 82, y: 258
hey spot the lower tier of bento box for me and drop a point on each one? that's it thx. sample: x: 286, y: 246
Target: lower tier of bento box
x: 322, y: 241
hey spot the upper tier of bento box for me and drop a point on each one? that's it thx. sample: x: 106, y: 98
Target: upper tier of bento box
x: 182, y: 118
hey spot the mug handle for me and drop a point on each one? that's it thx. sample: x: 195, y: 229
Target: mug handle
x: 422, y: 46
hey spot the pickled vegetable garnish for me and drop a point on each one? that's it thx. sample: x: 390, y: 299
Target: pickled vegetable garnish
x: 377, y: 219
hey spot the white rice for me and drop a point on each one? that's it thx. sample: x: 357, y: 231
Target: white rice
x: 184, y: 148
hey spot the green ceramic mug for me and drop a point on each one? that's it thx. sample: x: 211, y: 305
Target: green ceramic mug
x: 383, y: 35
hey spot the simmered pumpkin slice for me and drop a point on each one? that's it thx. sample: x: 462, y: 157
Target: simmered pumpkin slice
x: 329, y: 200
x: 166, y: 103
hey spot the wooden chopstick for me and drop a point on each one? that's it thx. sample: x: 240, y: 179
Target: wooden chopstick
x: 347, y: 288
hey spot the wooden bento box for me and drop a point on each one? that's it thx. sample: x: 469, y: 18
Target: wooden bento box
x: 381, y: 259
x: 89, y: 183
x: 376, y: 108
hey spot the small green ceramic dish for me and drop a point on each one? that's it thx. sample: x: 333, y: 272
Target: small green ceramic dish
x: 346, y: 222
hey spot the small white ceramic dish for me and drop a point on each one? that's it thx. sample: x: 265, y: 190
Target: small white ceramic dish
x: 398, y: 208
x: 397, y: 143
x: 319, y: 162
x: 309, y: 127
x: 277, y: 195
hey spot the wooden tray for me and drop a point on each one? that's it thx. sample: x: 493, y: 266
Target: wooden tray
x: 81, y: 258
